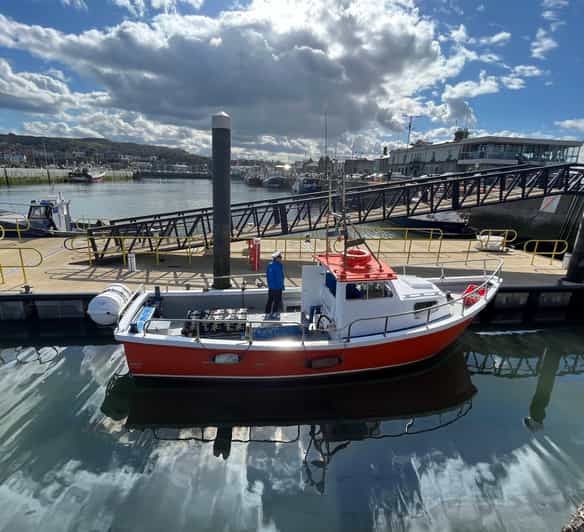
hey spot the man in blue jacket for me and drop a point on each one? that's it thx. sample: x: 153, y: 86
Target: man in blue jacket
x: 275, y: 276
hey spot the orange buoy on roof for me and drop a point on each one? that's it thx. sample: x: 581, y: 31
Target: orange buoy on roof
x: 357, y: 257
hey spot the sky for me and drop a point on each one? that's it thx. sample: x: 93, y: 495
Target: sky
x: 155, y: 71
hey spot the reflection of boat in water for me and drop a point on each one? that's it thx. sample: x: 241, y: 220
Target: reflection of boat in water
x: 83, y: 175
x: 397, y: 404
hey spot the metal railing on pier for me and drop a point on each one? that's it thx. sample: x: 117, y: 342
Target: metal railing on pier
x: 19, y: 228
x: 21, y: 263
x: 558, y: 248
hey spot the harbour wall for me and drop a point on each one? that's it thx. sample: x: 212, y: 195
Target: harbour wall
x: 35, y: 176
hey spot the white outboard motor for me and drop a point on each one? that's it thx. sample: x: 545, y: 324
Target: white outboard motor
x: 105, y: 308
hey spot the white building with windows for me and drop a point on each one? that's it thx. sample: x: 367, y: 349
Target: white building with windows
x: 466, y: 154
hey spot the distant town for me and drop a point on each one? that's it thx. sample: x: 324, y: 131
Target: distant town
x: 462, y: 153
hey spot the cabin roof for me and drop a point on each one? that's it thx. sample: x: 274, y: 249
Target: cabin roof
x: 372, y: 271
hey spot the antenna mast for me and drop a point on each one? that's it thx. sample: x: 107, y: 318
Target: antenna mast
x: 409, y: 132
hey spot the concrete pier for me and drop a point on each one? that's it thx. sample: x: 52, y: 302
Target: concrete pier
x: 221, y: 199
x: 532, y: 293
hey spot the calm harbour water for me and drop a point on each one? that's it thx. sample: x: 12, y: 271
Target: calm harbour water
x: 445, y: 448
x: 121, y: 199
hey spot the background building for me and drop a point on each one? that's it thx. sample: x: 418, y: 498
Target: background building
x: 465, y: 154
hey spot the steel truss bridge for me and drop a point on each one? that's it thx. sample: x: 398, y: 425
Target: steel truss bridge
x: 364, y: 204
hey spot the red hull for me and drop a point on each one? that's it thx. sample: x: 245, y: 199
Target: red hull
x: 170, y: 361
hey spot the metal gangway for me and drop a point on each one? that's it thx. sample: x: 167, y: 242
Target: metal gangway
x: 300, y: 214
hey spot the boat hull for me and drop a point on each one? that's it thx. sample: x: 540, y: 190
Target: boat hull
x: 153, y: 359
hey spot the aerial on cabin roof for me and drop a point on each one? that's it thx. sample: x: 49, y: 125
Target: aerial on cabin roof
x: 363, y: 267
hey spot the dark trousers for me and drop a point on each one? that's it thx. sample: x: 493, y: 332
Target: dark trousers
x: 274, y: 303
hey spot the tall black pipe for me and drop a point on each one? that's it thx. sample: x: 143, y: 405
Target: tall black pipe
x: 221, y: 200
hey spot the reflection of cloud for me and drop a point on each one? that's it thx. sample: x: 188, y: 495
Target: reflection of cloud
x: 487, y: 495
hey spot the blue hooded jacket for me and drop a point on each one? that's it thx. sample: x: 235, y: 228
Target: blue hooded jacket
x: 275, y: 275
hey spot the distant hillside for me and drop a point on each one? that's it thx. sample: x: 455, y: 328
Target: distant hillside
x: 61, y: 148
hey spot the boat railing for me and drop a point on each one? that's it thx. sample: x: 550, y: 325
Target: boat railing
x: 245, y: 323
x: 475, y: 295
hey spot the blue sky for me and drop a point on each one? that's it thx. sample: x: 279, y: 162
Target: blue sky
x: 155, y: 70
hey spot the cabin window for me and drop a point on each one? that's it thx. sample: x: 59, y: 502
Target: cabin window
x: 331, y: 283
x: 367, y: 290
x: 37, y: 212
x: 421, y: 306
x: 424, y: 304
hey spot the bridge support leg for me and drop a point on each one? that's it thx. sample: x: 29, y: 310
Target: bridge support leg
x: 545, y: 384
x: 221, y: 139
x: 575, y: 272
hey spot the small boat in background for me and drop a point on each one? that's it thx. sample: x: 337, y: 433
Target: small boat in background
x: 237, y: 174
x: 83, y: 175
x: 253, y: 180
x: 276, y: 181
x: 305, y: 184
x: 44, y: 217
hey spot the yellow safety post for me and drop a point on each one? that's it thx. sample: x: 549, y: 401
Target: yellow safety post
x: 22, y: 266
x: 411, y: 241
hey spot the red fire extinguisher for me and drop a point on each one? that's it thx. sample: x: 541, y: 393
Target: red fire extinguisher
x: 254, y: 248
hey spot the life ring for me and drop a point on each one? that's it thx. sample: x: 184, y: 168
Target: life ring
x: 357, y: 257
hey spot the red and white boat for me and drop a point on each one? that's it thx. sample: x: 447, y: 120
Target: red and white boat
x: 353, y: 313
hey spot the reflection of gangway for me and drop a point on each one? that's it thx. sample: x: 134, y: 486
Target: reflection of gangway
x: 512, y: 367
x: 371, y: 203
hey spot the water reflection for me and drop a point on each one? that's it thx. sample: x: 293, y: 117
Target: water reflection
x: 336, y: 414
x: 415, y: 451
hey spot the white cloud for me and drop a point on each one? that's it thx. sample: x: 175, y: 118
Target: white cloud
x: 542, y: 44
x: 77, y: 4
x: 575, y: 123
x: 138, y: 8
x: 554, y: 4
x: 481, y: 8
x: 39, y: 93
x: 527, y: 71
x: 135, y: 7
x: 471, y: 89
x: 498, y: 39
x: 460, y: 35
x: 513, y: 83
x: 275, y: 66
